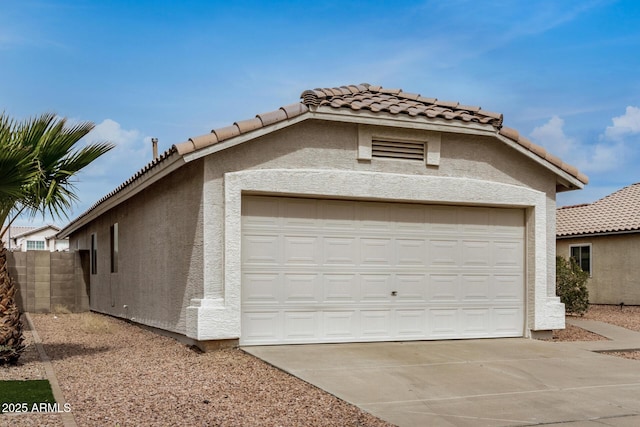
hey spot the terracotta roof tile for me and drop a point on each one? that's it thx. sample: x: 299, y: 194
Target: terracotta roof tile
x: 617, y: 212
x: 248, y: 125
x: 294, y: 110
x: 272, y: 117
x: 226, y: 132
x: 357, y: 98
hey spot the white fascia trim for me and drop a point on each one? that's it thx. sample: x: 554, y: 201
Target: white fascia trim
x: 232, y: 142
x: 547, y: 164
x: 145, y: 180
x: 220, y: 317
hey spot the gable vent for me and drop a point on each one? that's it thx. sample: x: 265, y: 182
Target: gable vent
x: 407, y: 150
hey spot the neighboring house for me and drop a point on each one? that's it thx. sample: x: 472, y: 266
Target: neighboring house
x: 43, y: 238
x: 358, y: 214
x: 604, y: 237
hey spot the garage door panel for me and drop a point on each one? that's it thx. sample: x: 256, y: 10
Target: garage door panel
x: 341, y: 288
x: 377, y: 252
x: 410, y: 287
x: 375, y: 287
x: 302, y: 250
x: 411, y: 252
x: 301, y: 288
x: 262, y: 327
x: 443, y: 322
x: 337, y: 215
x: 474, y: 221
x: 261, y: 212
x: 340, y: 271
x: 507, y: 287
x: 476, y: 288
x: 411, y: 219
x: 475, y: 322
x: 376, y: 324
x: 261, y: 249
x: 444, y: 252
x: 301, y: 326
x: 340, y: 250
x: 261, y: 288
x: 476, y: 253
x: 442, y: 288
x: 298, y: 213
x: 411, y: 323
x: 508, y: 254
x: 505, y: 321
x: 340, y: 325
x: 444, y: 219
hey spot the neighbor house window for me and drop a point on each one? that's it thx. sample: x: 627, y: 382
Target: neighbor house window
x: 582, y: 255
x: 35, y: 245
x: 94, y: 254
x: 114, y: 247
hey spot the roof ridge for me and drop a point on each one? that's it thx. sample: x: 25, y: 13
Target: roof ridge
x: 435, y: 107
x: 615, y: 193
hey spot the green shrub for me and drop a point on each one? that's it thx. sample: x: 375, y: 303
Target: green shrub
x: 571, y: 286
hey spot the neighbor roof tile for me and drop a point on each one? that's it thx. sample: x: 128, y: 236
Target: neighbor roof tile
x: 615, y: 213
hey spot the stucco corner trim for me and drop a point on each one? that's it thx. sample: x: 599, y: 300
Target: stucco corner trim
x: 211, y: 319
x: 222, y: 319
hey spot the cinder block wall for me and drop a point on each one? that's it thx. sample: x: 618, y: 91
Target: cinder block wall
x: 47, y: 280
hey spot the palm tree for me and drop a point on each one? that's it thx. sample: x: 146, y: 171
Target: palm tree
x: 38, y: 161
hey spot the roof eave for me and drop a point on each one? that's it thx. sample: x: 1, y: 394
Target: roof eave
x: 158, y: 172
x: 565, y: 181
x: 244, y: 137
x: 597, y: 234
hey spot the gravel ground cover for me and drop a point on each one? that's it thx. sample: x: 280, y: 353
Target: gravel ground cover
x: 117, y: 374
x: 625, y: 317
x: 113, y: 373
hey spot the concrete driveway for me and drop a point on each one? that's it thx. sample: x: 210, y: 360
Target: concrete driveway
x: 492, y: 382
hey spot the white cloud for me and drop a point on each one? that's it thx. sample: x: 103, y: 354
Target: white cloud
x: 551, y: 135
x: 132, y: 151
x: 627, y: 124
x: 588, y: 158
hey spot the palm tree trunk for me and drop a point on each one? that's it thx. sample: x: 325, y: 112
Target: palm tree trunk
x: 11, y: 338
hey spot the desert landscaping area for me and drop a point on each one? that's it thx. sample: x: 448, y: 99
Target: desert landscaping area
x: 116, y: 373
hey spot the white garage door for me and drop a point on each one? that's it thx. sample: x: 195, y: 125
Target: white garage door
x: 341, y: 271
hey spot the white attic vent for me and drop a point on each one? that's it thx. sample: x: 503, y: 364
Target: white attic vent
x: 406, y: 150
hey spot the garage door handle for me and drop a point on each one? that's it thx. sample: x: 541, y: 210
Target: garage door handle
x: 394, y: 293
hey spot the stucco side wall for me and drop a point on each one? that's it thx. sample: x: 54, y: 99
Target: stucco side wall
x: 615, y: 267
x: 320, y: 159
x: 160, y: 252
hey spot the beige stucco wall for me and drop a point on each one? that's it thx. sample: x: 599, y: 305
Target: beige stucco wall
x: 175, y: 236
x: 615, y: 267
x: 160, y: 252
x: 324, y: 146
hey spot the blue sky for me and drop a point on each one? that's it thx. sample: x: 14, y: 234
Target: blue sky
x: 565, y: 74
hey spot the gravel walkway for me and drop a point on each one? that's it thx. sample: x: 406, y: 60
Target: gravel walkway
x: 117, y: 374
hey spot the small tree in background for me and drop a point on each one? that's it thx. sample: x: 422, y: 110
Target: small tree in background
x: 571, y: 286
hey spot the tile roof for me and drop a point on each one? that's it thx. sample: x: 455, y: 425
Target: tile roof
x: 615, y: 213
x: 376, y: 99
